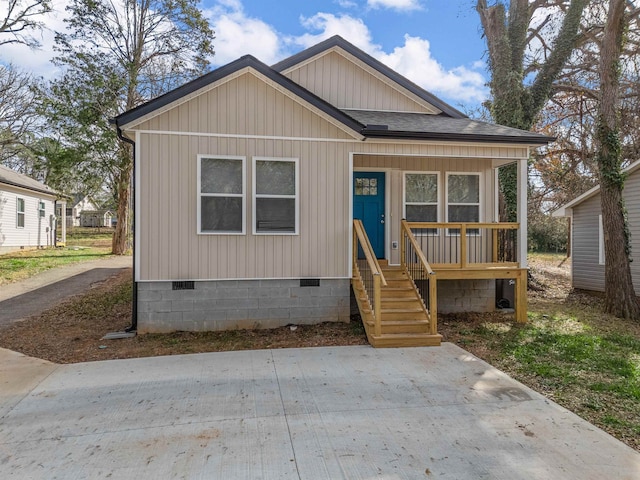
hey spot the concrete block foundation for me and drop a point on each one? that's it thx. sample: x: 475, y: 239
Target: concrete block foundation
x: 240, y: 304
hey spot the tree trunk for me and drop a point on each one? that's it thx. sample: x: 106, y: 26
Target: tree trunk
x: 119, y: 245
x: 620, y: 296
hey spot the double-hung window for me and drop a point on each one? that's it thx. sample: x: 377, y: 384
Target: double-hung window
x: 41, y: 209
x: 275, y: 196
x: 421, y: 198
x: 463, y: 200
x: 221, y: 194
x: 20, y: 212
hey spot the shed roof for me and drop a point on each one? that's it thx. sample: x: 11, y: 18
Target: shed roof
x: 11, y: 177
x: 566, y: 210
x: 440, y: 127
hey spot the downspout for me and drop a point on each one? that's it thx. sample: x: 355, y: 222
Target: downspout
x: 134, y: 293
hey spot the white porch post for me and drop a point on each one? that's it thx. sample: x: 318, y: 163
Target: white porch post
x: 63, y: 221
x: 522, y: 211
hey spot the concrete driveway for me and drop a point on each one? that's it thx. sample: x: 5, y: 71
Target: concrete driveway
x: 316, y: 413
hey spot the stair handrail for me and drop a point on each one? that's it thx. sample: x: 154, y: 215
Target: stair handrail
x: 373, y: 291
x: 427, y: 273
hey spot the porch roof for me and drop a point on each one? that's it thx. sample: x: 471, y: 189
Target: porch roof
x: 439, y: 127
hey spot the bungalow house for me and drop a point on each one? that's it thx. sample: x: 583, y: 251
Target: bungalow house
x: 264, y: 193
x: 587, y: 247
x: 79, y: 203
x: 27, y: 212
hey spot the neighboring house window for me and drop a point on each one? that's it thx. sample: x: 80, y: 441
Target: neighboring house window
x: 41, y: 209
x: 275, y: 195
x: 421, y: 198
x: 20, y: 212
x: 463, y: 199
x: 600, y: 241
x: 221, y: 194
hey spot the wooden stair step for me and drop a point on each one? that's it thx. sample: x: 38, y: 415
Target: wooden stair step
x: 406, y: 340
x: 398, y: 292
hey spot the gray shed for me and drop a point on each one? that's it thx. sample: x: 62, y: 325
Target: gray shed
x: 587, y: 235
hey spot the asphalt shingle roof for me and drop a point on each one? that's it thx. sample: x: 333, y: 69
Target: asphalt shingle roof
x: 11, y: 177
x: 425, y: 126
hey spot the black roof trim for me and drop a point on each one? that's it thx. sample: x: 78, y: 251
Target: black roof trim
x: 527, y: 140
x: 338, y: 41
x: 229, y: 69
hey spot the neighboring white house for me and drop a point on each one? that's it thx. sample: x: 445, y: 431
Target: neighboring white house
x: 79, y: 204
x: 587, y: 247
x: 27, y: 212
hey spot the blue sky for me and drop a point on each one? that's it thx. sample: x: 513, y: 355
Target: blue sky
x: 435, y: 43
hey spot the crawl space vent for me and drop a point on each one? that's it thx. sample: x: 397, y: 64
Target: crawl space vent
x: 310, y: 282
x: 185, y: 285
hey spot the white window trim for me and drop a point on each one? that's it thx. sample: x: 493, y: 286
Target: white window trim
x: 41, y: 209
x: 601, y: 255
x: 199, y: 194
x: 255, y: 195
x: 446, y: 200
x: 438, y: 195
x: 21, y: 212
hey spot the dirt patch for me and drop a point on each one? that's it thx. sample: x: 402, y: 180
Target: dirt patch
x: 72, y: 331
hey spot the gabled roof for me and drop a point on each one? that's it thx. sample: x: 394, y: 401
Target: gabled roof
x: 449, y: 125
x: 566, y: 210
x: 338, y: 41
x: 246, y: 61
x: 11, y: 177
x: 440, y: 127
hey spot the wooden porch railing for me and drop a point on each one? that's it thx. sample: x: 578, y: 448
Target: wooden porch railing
x: 416, y: 266
x: 369, y: 272
x: 467, y: 245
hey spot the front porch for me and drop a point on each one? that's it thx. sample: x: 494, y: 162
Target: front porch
x: 399, y: 303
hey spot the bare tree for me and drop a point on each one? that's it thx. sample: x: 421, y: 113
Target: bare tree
x: 522, y: 76
x: 118, y: 54
x: 18, y: 18
x: 18, y: 114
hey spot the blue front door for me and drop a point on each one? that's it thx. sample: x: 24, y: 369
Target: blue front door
x: 368, y: 206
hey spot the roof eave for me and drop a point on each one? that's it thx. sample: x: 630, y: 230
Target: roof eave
x: 52, y: 193
x: 524, y: 140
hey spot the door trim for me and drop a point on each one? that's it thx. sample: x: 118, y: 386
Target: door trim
x: 387, y: 206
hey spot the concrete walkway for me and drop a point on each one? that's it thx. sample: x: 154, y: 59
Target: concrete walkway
x: 35, y: 294
x: 315, y: 413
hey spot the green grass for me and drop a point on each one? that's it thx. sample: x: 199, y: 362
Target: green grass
x: 569, y: 350
x: 83, y: 244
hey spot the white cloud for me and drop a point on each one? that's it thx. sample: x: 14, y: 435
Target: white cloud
x: 38, y: 61
x: 405, y: 5
x: 346, y: 3
x: 238, y: 34
x: 327, y: 25
x: 414, y: 61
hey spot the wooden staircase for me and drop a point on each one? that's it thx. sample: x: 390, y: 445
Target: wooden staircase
x: 404, y: 319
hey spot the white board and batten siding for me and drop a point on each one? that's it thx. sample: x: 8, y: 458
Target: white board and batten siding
x: 587, y: 269
x: 35, y: 232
